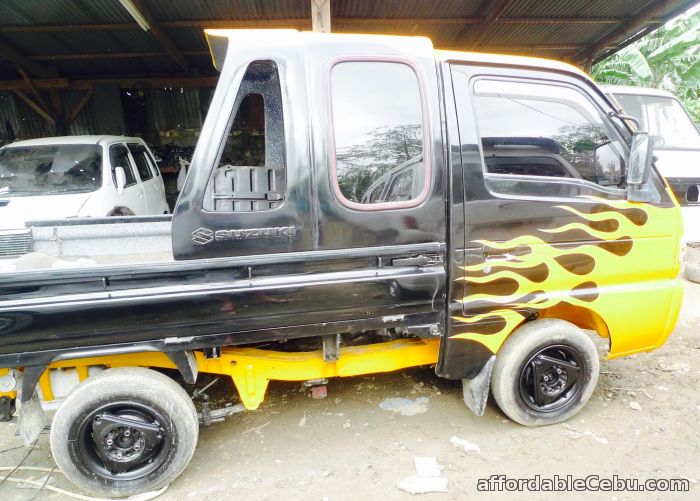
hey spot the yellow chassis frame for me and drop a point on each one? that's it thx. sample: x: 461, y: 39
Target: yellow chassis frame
x: 251, y: 369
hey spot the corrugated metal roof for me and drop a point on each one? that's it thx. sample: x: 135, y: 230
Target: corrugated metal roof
x: 228, y: 9
x: 405, y: 8
x: 438, y: 20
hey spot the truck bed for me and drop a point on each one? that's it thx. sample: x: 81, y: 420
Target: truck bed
x: 131, y: 305
x: 84, y: 242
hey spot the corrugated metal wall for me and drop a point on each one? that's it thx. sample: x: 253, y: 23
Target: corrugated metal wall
x: 18, y: 121
x: 176, y: 109
x: 167, y: 109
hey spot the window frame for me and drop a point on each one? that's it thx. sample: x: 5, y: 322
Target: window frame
x: 233, y: 112
x: 611, y: 131
x: 144, y: 154
x: 131, y: 166
x: 330, y: 126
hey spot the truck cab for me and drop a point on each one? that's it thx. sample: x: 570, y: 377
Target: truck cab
x: 396, y: 206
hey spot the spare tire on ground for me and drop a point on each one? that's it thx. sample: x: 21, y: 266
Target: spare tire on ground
x: 692, y: 271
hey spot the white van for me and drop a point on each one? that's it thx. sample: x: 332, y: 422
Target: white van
x: 74, y: 176
x: 676, y: 145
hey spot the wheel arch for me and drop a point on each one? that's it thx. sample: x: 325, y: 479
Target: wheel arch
x: 583, y: 318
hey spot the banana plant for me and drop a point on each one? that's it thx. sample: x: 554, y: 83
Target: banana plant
x: 668, y: 58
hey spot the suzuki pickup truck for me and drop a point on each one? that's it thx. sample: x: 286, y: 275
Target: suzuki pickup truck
x: 397, y: 206
x: 676, y: 146
x: 71, y: 177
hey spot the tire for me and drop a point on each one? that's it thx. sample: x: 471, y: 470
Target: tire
x: 692, y: 272
x: 152, y: 453
x: 550, y: 354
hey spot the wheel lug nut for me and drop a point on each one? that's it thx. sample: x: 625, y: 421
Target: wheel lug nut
x: 127, y: 433
x: 110, y: 441
x: 119, y: 455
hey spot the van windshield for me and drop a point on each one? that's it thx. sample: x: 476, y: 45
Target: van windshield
x: 663, y: 117
x: 50, y: 169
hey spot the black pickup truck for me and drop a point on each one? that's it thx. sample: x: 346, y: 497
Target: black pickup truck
x: 398, y: 206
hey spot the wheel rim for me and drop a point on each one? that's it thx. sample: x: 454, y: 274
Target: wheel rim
x: 122, y: 441
x: 552, y: 378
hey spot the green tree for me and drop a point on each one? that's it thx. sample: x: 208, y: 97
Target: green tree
x: 668, y: 58
x: 384, y: 148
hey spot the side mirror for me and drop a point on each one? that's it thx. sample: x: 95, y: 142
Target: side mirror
x: 641, y: 155
x: 639, y: 167
x: 120, y: 179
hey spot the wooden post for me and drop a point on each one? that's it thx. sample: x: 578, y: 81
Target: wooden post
x: 321, y: 15
x: 56, y: 100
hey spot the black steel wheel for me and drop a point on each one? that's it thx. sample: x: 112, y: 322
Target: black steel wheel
x: 124, y: 432
x: 124, y: 440
x: 549, y: 380
x: 545, y: 372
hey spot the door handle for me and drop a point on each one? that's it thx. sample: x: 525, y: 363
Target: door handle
x: 422, y: 260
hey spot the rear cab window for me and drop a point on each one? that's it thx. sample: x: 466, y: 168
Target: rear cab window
x: 250, y: 175
x: 379, y: 129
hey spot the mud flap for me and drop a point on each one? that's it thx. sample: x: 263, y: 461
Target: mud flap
x: 475, y: 391
x: 32, y: 419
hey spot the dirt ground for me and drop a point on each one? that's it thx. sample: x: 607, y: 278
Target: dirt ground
x: 642, y: 422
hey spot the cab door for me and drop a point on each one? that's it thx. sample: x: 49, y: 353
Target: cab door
x: 548, y: 228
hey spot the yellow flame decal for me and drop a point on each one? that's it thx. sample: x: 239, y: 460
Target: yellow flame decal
x: 601, y: 250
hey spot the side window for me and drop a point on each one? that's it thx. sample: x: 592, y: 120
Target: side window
x: 119, y: 157
x: 378, y: 132
x: 152, y: 163
x: 138, y: 153
x: 250, y: 174
x: 530, y: 129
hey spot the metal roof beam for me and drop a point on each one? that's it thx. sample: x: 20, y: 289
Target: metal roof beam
x: 205, y: 53
x: 628, y: 28
x: 140, y: 14
x: 123, y: 82
x: 113, y: 55
x: 494, y: 11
